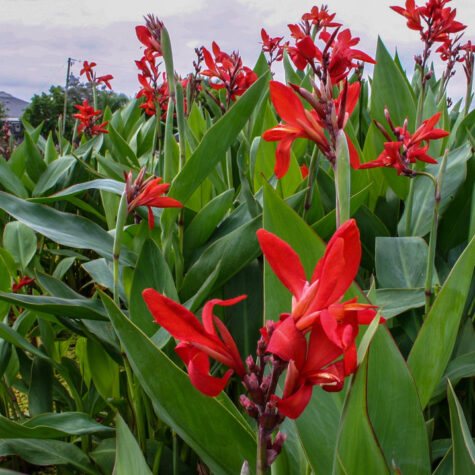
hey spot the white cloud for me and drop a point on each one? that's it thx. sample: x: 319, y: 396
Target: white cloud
x: 90, y: 13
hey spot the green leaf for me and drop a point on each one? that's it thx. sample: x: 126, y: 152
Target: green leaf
x: 105, y: 184
x: 390, y: 89
x: 64, y: 228
x: 40, y: 395
x: 396, y: 301
x: 356, y: 436
x: 217, y: 436
x: 213, y: 146
x: 205, y: 222
x: 158, y: 277
x: 423, y: 207
x: 458, y: 368
x: 401, y: 262
x: 394, y: 408
x: 53, y: 173
x: 67, y: 307
x: 10, y: 181
x: 50, y: 426
x: 462, y: 443
x: 234, y: 251
x: 20, y: 241
x: 35, y: 165
x: 104, y: 371
x: 129, y: 458
x: 121, y: 149
x: 51, y: 452
x: 434, y: 343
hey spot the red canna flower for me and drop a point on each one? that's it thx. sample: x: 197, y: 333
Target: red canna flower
x: 272, y: 46
x: 407, y: 148
x: 25, y: 280
x: 198, y: 341
x: 226, y: 71
x: 148, y: 193
x: 342, y: 54
x: 105, y: 79
x: 321, y: 18
x: 87, y: 69
x: 304, y: 171
x: 332, y: 276
x: 310, y: 363
x: 87, y: 117
x: 300, y: 123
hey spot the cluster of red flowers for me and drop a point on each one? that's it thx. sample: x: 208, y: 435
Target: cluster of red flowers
x: 302, y: 123
x: 88, y: 118
x: 434, y: 21
x: 87, y: 69
x: 154, y: 84
x: 325, y: 359
x: 25, y: 280
x: 147, y: 193
x: 407, y: 148
x: 331, y: 66
x: 273, y: 47
x: 227, y: 72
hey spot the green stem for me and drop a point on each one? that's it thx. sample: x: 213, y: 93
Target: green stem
x: 342, y: 179
x: 135, y: 402
x: 229, y: 168
x: 312, y: 178
x: 94, y: 94
x: 119, y: 229
x: 409, y: 201
x: 433, y: 231
x: 468, y: 97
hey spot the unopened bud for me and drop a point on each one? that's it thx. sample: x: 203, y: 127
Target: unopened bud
x: 249, y: 406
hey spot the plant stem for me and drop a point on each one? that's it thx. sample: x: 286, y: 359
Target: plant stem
x: 342, y: 179
x: 261, y: 468
x: 312, y: 178
x: 433, y: 232
x: 119, y: 228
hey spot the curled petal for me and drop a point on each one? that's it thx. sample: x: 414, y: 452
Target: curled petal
x: 288, y: 343
x: 197, y: 363
x: 295, y: 404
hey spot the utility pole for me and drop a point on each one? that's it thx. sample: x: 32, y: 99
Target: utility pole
x: 66, y: 95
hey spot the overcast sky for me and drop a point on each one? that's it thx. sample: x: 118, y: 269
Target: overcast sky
x: 37, y: 36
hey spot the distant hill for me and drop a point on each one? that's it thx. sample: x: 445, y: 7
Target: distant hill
x: 13, y: 106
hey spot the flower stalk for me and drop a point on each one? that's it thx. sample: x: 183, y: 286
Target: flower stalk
x: 433, y: 232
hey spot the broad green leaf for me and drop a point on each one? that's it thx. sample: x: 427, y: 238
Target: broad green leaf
x: 35, y: 164
x: 53, y: 173
x: 390, y: 89
x: 104, y: 371
x: 121, y: 149
x: 40, y: 395
x: 205, y: 222
x: 213, y: 146
x: 64, y: 228
x: 50, y: 149
x: 394, y: 408
x: 462, y: 443
x: 20, y: 241
x: 50, y: 426
x: 458, y: 368
x: 156, y: 276
x: 129, y: 458
x: 51, y: 452
x: 434, y: 344
x: 10, y: 181
x: 104, y: 454
x: 101, y: 272
x: 401, y: 262
x: 235, y: 250
x: 356, y: 435
x: 423, y: 208
x: 396, y: 301
x: 105, y: 184
x: 222, y: 440
x: 67, y: 307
